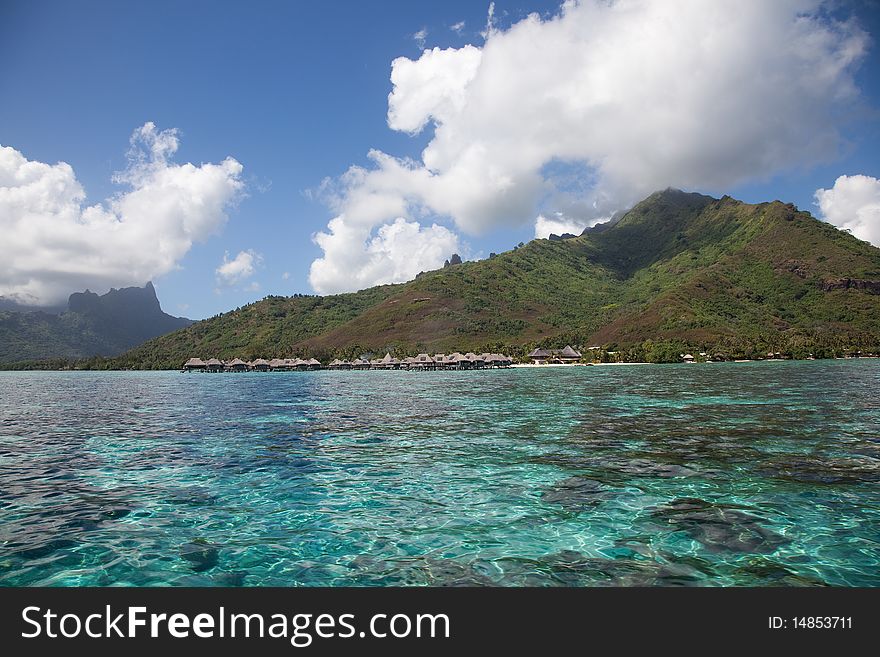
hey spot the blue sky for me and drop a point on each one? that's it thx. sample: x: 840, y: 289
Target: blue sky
x: 296, y: 92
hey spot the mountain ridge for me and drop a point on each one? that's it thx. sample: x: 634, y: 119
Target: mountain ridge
x: 679, y: 269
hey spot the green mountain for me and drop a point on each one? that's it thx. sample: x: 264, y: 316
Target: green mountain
x: 92, y: 325
x: 678, y: 270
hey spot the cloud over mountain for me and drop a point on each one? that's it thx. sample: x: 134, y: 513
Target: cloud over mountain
x: 640, y: 94
x: 853, y: 204
x: 56, y: 244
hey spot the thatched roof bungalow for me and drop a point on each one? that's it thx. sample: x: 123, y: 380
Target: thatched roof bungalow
x: 494, y: 360
x: 386, y: 363
x: 237, y: 365
x: 539, y: 356
x: 422, y: 362
x: 568, y: 355
x: 565, y: 355
x: 195, y: 365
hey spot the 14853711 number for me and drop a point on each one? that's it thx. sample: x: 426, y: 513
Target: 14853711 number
x: 810, y: 623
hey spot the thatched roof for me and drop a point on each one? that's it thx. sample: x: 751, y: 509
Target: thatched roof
x: 214, y: 362
x: 540, y: 353
x: 195, y: 362
x: 236, y: 362
x: 568, y: 352
x: 312, y: 361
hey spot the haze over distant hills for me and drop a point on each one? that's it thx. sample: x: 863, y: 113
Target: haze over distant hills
x: 90, y: 325
x: 679, y: 268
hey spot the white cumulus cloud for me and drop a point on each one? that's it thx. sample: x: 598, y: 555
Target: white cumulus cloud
x: 640, y: 94
x: 557, y: 225
x: 55, y: 244
x: 853, y: 204
x: 433, y: 87
x: 354, y: 258
x: 240, y: 268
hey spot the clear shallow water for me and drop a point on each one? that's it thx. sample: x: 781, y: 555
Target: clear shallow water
x: 717, y: 474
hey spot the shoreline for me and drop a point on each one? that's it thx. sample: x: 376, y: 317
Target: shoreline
x: 13, y: 368
x: 543, y: 365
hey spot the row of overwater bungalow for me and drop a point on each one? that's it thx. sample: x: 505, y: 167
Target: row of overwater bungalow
x: 258, y: 365
x: 455, y: 361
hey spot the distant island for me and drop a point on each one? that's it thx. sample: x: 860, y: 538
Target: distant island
x: 679, y: 274
x: 90, y: 325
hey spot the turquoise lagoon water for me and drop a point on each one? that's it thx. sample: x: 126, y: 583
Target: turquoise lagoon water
x: 717, y: 474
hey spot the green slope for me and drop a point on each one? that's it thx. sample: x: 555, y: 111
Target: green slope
x: 678, y: 268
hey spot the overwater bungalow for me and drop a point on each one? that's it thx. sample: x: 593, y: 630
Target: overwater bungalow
x: 422, y: 362
x: 195, y: 365
x: 260, y: 365
x: 360, y: 364
x: 386, y: 363
x: 236, y: 365
x: 214, y: 365
x: 496, y: 360
x: 278, y: 365
x: 337, y: 364
x: 313, y: 364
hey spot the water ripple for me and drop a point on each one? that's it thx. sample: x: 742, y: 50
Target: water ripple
x: 731, y: 474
